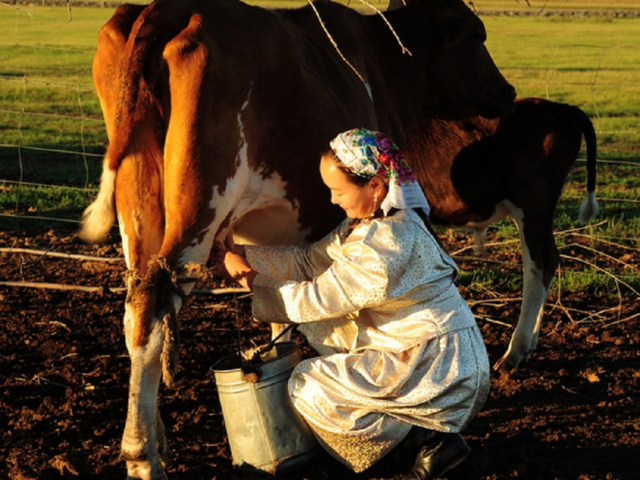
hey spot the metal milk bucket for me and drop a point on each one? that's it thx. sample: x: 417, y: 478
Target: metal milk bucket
x: 266, y: 433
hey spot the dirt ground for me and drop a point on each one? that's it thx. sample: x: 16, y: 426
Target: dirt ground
x: 571, y: 413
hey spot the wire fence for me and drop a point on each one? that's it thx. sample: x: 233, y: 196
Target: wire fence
x: 52, y: 141
x: 52, y: 135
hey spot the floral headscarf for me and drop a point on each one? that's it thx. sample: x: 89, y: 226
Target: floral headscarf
x: 368, y: 154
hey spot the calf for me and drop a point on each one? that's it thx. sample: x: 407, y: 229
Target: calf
x: 476, y: 171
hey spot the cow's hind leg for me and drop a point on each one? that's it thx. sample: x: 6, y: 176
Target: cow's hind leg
x: 540, y: 260
x: 142, y: 437
x: 149, y: 345
x: 149, y: 297
x: 161, y: 442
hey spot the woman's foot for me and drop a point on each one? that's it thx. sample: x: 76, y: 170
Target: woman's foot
x: 419, y: 438
x: 439, y: 453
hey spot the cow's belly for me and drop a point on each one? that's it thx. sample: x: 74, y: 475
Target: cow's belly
x: 276, y: 224
x: 500, y: 212
x: 265, y: 216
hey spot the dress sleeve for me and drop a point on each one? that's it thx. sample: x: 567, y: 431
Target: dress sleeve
x: 357, y: 279
x: 292, y: 262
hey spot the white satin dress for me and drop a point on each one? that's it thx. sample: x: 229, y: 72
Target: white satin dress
x: 398, y: 345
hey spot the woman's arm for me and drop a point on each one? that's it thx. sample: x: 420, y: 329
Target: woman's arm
x: 235, y: 262
x: 355, y: 281
x: 291, y: 262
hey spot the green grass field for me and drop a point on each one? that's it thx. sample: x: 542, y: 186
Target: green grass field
x: 51, y: 129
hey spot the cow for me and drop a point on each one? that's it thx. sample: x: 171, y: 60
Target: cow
x: 476, y: 171
x: 217, y: 114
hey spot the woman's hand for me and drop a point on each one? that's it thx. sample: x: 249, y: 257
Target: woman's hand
x: 230, y: 245
x: 233, y: 266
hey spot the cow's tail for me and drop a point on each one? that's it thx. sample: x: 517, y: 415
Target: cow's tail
x: 151, y: 23
x: 589, y: 208
x: 161, y: 20
x: 98, y: 217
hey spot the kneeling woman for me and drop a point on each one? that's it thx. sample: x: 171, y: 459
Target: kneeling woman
x: 401, y: 357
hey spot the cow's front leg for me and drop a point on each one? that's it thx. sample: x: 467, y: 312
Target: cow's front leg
x: 144, y: 434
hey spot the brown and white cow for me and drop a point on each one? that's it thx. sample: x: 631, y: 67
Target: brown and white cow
x: 477, y: 171
x: 217, y: 113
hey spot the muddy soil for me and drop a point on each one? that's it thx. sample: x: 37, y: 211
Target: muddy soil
x: 571, y: 413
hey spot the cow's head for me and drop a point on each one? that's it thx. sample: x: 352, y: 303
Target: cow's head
x: 465, y: 80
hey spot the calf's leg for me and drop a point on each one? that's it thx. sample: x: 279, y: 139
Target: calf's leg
x: 540, y: 261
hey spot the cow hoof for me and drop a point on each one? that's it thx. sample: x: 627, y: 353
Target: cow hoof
x: 143, y: 470
x: 509, y: 362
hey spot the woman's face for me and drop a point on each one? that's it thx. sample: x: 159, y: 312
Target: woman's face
x: 356, y: 201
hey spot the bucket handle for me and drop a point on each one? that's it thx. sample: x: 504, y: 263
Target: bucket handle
x: 272, y: 343
x: 251, y: 372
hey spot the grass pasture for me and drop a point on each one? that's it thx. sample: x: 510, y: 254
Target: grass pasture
x: 52, y: 135
x: 51, y: 127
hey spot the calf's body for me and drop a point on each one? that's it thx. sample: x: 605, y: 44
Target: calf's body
x: 476, y: 171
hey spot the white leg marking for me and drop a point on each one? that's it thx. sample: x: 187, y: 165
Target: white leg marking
x: 479, y: 239
x: 534, y: 295
x: 142, y: 407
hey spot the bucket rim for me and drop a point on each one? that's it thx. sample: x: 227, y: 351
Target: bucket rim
x: 294, y: 347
